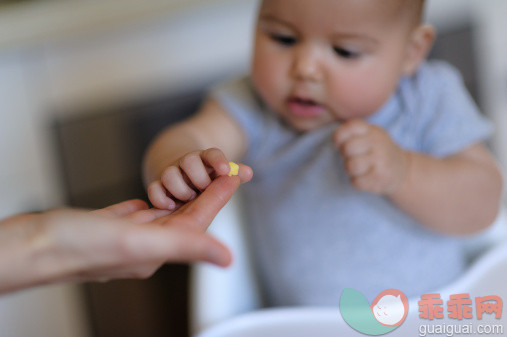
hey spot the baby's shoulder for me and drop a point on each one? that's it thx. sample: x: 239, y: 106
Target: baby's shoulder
x: 436, y: 77
x: 238, y: 89
x: 435, y: 84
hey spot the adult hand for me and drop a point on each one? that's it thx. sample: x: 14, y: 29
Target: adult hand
x: 126, y: 240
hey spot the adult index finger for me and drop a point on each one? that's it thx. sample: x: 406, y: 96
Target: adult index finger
x: 122, y: 209
x: 207, y: 205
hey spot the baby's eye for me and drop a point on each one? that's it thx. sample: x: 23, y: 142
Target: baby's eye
x: 345, y: 53
x: 285, y: 40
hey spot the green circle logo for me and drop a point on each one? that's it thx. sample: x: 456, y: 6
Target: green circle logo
x: 387, y: 311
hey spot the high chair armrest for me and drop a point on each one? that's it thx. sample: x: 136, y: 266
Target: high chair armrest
x: 494, y: 235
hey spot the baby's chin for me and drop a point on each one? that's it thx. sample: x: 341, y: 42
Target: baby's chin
x: 307, y: 124
x: 304, y: 127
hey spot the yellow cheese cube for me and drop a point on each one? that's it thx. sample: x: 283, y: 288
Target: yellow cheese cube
x: 234, y: 169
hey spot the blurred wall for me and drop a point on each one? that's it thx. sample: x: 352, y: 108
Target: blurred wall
x: 92, y: 59
x: 488, y: 18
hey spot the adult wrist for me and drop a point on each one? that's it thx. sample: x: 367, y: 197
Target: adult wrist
x: 45, y: 246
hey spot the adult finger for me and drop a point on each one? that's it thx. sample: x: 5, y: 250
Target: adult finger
x: 206, y: 206
x: 191, y: 246
x: 122, y: 209
x: 148, y: 215
x: 174, y: 244
x: 245, y: 173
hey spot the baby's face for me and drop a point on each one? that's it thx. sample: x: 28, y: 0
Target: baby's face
x: 321, y: 61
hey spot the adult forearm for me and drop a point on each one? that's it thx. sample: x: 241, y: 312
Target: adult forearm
x: 453, y: 195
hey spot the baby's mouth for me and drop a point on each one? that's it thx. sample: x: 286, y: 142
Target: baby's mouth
x: 303, y: 107
x: 302, y: 101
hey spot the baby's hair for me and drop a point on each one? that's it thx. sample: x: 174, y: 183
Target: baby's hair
x: 420, y: 9
x: 416, y: 8
x: 412, y: 10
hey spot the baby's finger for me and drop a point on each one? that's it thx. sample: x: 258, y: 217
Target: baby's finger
x: 347, y: 130
x: 195, y: 170
x: 358, y: 166
x: 367, y: 183
x: 173, y: 181
x: 216, y: 159
x: 158, y: 196
x: 356, y: 146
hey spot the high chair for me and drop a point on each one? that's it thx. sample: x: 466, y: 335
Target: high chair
x: 226, y: 302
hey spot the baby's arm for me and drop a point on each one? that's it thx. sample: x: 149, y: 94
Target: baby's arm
x: 458, y: 194
x: 184, y: 158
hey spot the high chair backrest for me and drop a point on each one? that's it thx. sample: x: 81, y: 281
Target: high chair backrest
x: 487, y: 276
x: 219, y: 295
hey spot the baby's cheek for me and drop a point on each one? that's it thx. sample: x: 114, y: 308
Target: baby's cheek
x: 360, y: 96
x: 270, y: 76
x: 270, y: 88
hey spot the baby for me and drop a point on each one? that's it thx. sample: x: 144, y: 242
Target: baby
x: 369, y: 160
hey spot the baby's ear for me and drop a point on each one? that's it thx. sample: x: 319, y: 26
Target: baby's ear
x: 419, y: 45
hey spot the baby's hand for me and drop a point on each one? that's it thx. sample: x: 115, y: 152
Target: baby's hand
x: 190, y: 175
x: 373, y: 160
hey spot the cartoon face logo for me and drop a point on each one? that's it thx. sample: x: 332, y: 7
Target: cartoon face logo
x: 386, y: 313
x: 390, y: 307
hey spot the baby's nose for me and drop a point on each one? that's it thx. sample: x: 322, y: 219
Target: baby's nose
x: 307, y: 65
